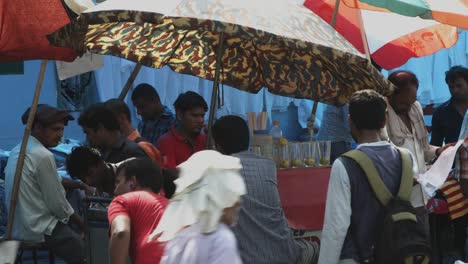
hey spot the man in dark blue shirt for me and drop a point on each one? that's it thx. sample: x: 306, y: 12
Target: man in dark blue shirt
x: 448, y: 118
x: 157, y: 119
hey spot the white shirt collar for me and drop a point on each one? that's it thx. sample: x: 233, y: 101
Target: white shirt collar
x: 374, y: 144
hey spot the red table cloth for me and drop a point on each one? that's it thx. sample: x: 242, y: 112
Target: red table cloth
x: 303, y: 193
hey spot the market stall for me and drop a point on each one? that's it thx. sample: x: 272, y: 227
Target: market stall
x: 303, y: 172
x: 303, y: 192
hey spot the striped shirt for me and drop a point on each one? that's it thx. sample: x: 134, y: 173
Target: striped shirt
x: 456, y: 201
x: 334, y: 125
x: 262, y: 230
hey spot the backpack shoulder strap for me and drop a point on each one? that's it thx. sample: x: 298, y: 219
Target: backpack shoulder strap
x: 406, y: 184
x: 378, y: 186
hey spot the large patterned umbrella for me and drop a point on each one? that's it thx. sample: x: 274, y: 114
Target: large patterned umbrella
x: 392, y: 39
x: 276, y: 44
x: 450, y: 12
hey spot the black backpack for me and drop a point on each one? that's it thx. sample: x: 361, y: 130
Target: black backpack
x: 403, y: 238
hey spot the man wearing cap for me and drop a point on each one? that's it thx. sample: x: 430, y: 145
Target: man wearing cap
x: 42, y: 211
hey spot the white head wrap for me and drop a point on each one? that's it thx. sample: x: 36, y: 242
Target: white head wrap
x: 208, y: 183
x: 79, y: 6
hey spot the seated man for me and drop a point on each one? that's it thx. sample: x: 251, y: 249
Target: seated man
x: 136, y: 212
x: 157, y: 119
x: 102, y: 131
x: 186, y: 137
x: 122, y: 112
x: 262, y: 229
x: 42, y: 211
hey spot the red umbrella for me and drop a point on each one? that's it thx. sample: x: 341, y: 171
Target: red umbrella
x: 24, y: 25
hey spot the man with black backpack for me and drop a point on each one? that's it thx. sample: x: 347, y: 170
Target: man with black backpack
x: 368, y: 217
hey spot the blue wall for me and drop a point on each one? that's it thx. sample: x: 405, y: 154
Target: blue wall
x: 18, y: 91
x: 16, y: 96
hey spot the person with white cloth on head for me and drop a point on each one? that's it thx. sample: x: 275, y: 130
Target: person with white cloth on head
x: 197, y: 219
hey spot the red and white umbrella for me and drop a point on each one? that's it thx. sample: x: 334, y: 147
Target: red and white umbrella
x: 391, y: 39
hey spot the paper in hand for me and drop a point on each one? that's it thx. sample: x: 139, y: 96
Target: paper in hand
x: 436, y: 176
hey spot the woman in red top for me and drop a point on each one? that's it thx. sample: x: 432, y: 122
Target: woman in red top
x: 136, y: 212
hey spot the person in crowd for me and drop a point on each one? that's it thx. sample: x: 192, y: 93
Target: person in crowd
x: 406, y: 128
x: 122, y: 112
x: 405, y: 119
x: 334, y: 127
x: 351, y: 203
x: 42, y: 211
x: 186, y: 137
x: 87, y: 165
x: 448, y: 117
x: 157, y: 119
x: 206, y: 202
x: 102, y: 131
x: 136, y: 212
x: 262, y: 232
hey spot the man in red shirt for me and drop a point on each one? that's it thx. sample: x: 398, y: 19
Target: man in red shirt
x: 136, y: 212
x: 186, y: 137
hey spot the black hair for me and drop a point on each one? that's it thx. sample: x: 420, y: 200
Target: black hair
x: 80, y: 160
x: 456, y: 72
x: 402, y: 79
x: 145, y: 91
x: 367, y: 110
x: 170, y: 175
x: 98, y: 115
x: 118, y: 107
x: 188, y: 101
x: 231, y: 133
x: 148, y: 175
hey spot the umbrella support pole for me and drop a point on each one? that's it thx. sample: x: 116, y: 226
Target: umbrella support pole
x: 311, y: 123
x: 130, y: 81
x: 335, y: 13
x: 363, y: 34
x: 214, y: 92
x: 22, y: 153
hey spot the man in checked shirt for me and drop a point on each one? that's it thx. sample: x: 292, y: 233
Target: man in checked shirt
x: 262, y: 231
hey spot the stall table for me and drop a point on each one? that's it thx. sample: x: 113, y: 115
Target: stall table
x: 303, y: 192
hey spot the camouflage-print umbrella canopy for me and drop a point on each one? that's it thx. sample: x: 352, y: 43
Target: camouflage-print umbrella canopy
x: 278, y: 44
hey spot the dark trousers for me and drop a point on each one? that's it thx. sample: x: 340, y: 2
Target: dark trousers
x: 66, y: 244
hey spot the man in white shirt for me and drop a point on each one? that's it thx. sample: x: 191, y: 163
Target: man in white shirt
x: 42, y: 211
x: 353, y: 213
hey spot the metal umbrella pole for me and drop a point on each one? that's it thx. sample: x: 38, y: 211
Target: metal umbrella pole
x: 130, y: 81
x: 214, y: 92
